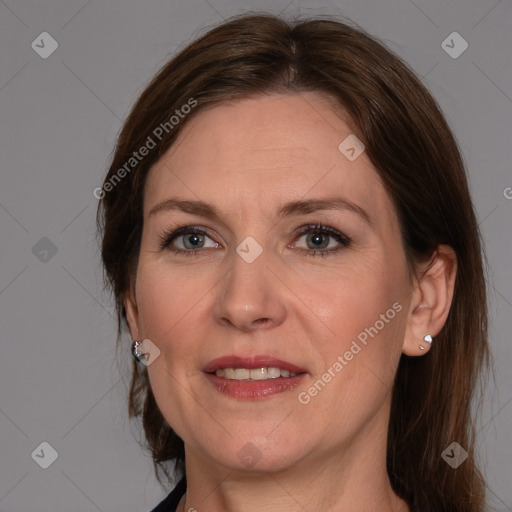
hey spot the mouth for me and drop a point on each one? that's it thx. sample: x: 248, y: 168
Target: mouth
x: 272, y: 372
x: 253, y: 378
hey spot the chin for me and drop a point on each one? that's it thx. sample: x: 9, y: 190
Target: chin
x: 258, y: 454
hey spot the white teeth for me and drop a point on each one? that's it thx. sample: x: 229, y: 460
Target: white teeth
x: 258, y: 374
x: 242, y: 374
x: 273, y: 372
x: 253, y: 374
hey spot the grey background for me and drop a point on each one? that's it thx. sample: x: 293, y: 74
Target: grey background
x: 59, y: 379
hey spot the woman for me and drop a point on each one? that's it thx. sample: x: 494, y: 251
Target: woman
x: 290, y: 239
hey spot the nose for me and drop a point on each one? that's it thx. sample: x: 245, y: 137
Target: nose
x: 250, y: 296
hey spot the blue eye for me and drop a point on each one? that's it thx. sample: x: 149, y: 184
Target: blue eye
x: 191, y: 238
x: 320, y: 241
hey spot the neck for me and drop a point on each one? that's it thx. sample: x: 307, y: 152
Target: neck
x: 350, y: 477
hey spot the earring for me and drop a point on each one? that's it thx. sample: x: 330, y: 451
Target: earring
x: 145, y: 351
x: 135, y: 351
x: 426, y: 338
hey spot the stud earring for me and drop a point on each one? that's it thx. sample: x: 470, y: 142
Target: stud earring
x: 426, y: 338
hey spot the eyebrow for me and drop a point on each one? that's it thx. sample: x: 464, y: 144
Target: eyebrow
x: 286, y: 210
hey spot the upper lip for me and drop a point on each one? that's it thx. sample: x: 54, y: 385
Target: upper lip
x: 250, y: 363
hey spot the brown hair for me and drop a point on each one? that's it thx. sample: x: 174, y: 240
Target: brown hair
x: 412, y: 148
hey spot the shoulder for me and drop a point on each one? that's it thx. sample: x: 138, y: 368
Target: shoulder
x: 170, y: 502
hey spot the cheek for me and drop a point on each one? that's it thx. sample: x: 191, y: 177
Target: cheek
x: 169, y: 303
x: 364, y: 308
x: 167, y: 299
x: 353, y: 298
x: 358, y: 359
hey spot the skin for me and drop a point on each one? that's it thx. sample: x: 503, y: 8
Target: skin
x: 246, y: 159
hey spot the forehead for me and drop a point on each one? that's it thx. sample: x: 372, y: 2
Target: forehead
x: 256, y: 153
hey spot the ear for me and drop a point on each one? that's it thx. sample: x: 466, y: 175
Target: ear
x: 132, y: 314
x: 431, y: 300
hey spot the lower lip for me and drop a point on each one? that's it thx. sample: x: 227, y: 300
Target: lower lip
x: 254, y: 389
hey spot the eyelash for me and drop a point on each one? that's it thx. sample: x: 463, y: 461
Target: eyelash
x: 167, y: 238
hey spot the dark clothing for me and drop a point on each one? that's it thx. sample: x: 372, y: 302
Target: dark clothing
x: 170, y: 503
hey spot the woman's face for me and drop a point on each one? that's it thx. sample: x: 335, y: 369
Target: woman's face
x: 259, y: 284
